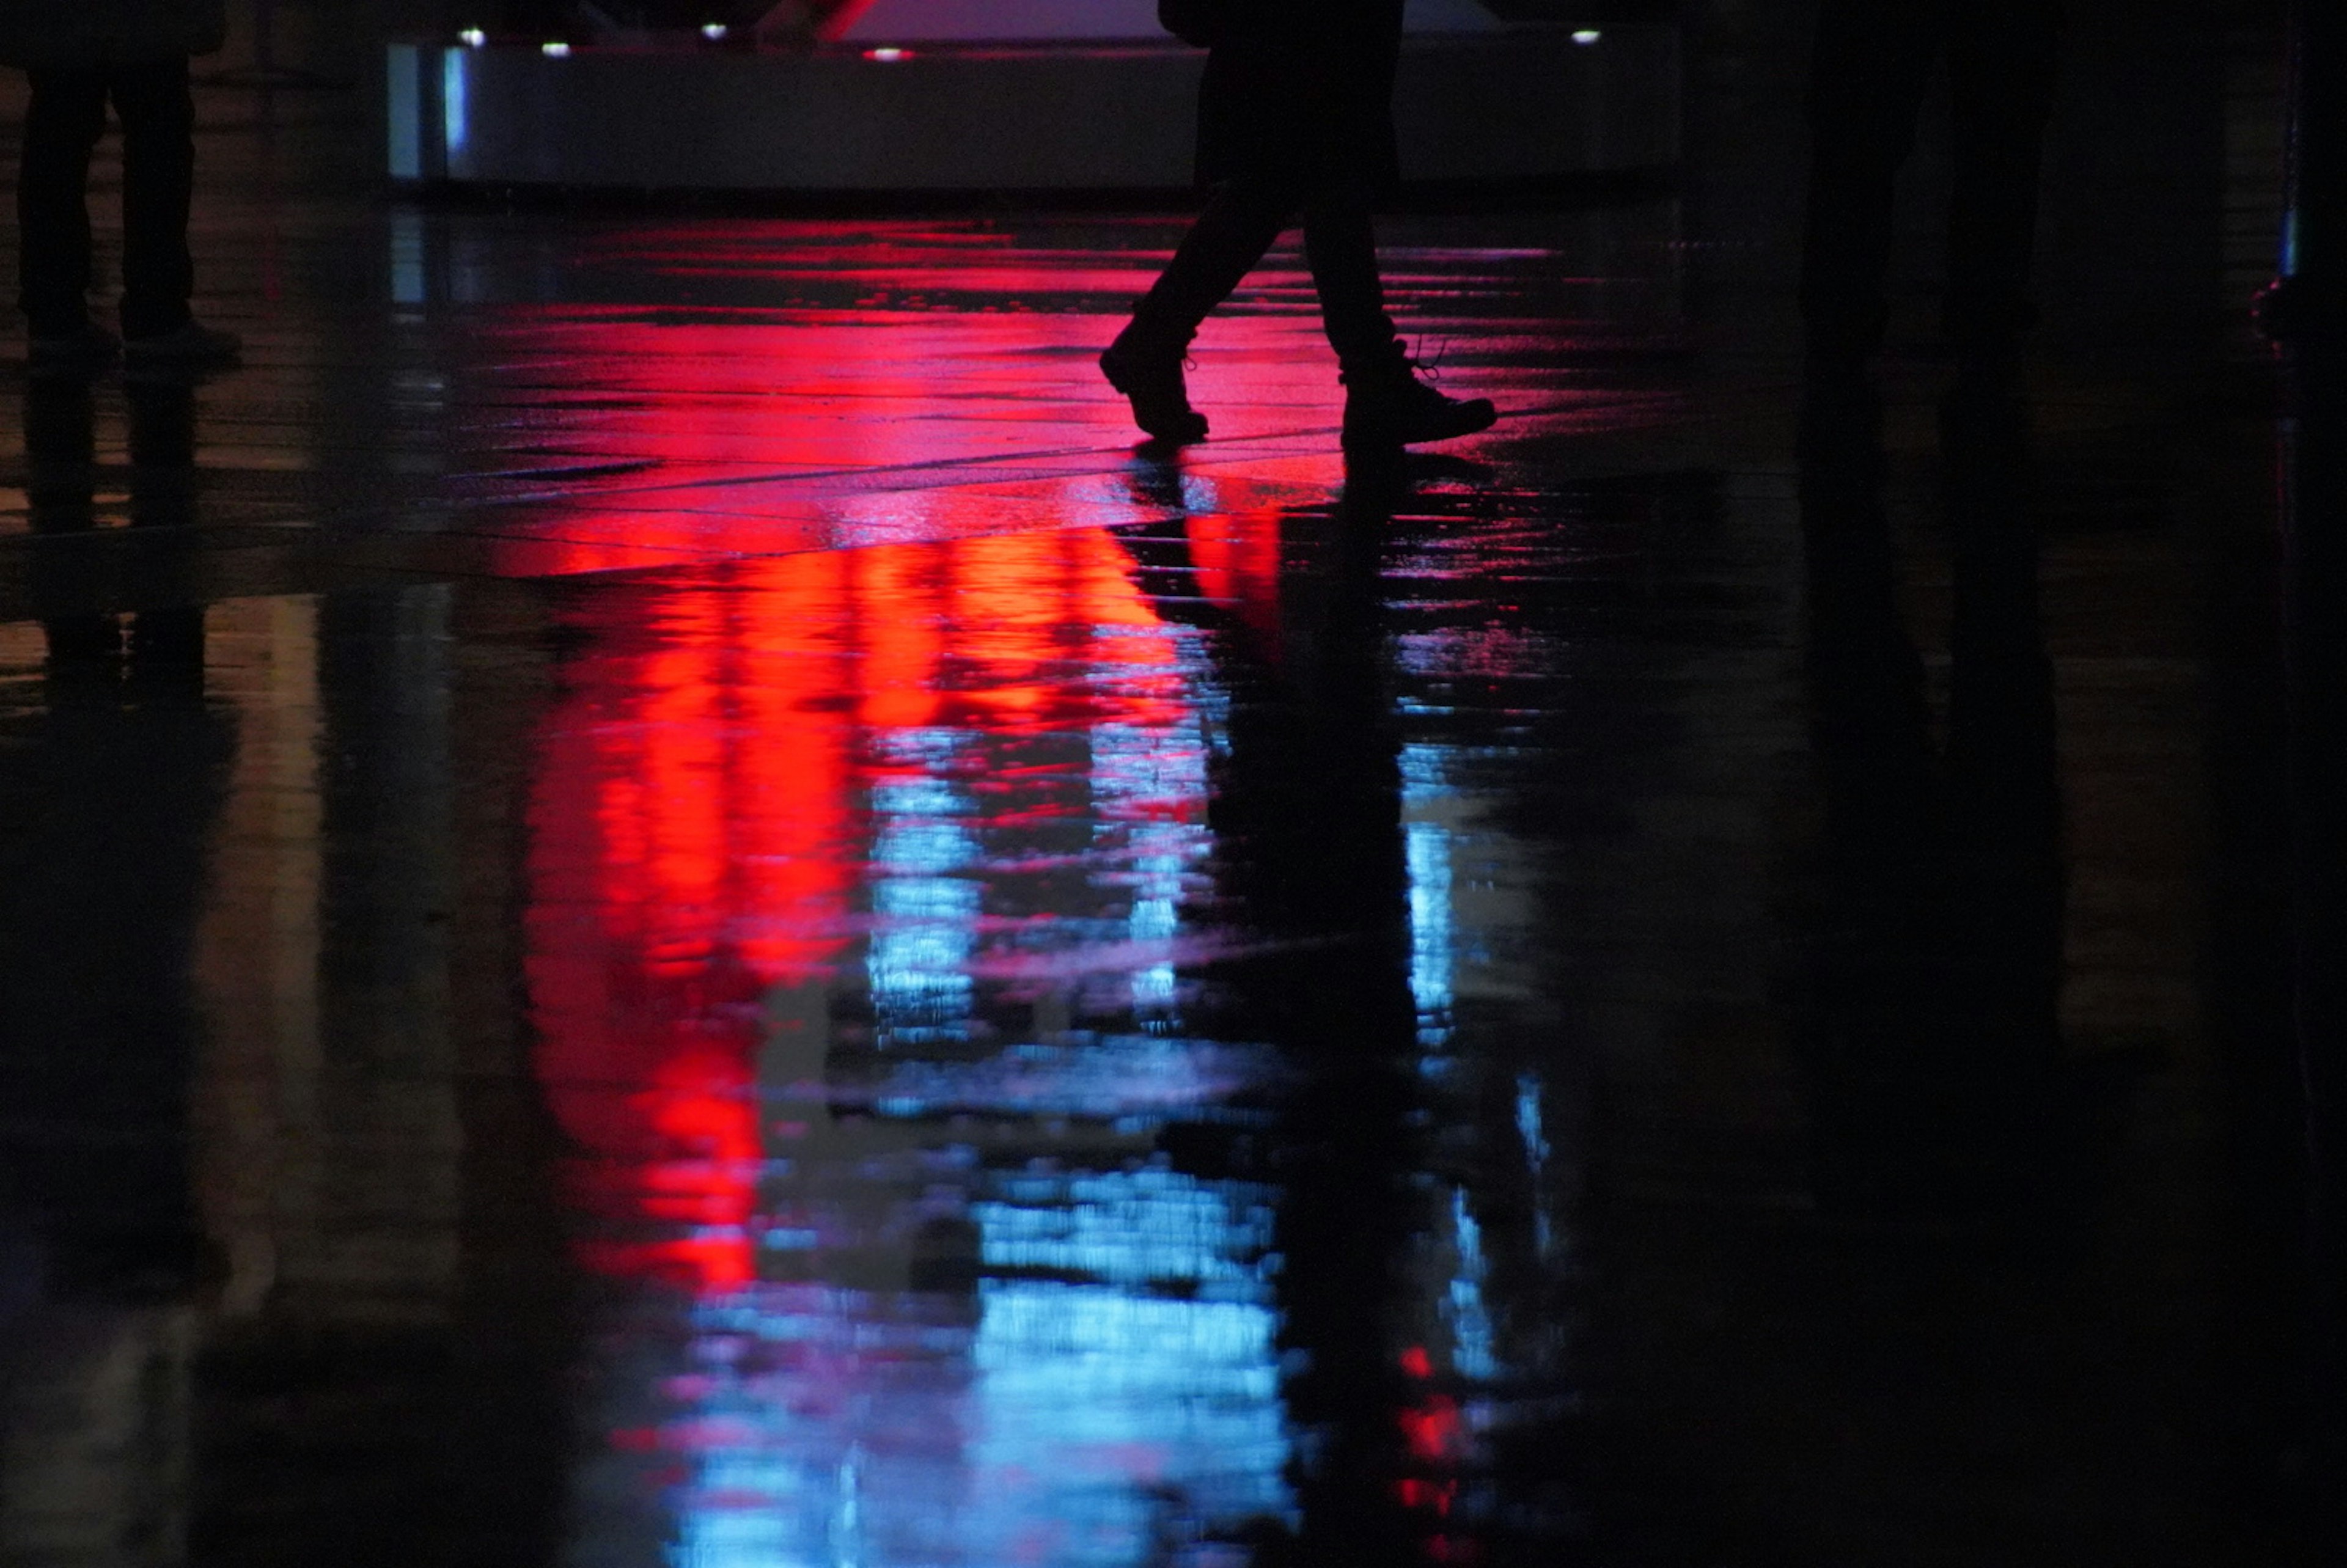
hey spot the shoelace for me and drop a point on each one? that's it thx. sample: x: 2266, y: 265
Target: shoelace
x: 1418, y: 360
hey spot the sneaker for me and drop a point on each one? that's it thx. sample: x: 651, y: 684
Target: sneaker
x: 1152, y: 379
x: 190, y: 344
x: 1386, y: 405
x: 85, y: 344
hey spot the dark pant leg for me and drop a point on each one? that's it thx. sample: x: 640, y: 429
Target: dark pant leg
x: 1341, y: 245
x: 2002, y: 58
x: 66, y: 116
x: 1222, y: 248
x: 1873, y: 60
x: 158, y: 168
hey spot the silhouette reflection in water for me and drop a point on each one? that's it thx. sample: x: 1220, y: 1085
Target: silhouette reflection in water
x: 1306, y: 812
x: 111, y: 773
x: 1932, y: 1031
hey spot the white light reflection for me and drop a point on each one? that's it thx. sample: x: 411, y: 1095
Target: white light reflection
x: 1150, y: 1226
x: 1146, y: 783
x: 1433, y: 956
x: 455, y: 115
x: 406, y: 257
x: 926, y: 921
x: 1087, y: 1389
x: 1465, y: 1310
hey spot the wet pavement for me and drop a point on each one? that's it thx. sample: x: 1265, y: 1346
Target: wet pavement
x: 659, y: 904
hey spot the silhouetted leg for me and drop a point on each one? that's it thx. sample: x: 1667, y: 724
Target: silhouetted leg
x: 1220, y: 249
x: 1341, y: 246
x: 1144, y: 363
x: 158, y: 166
x: 1874, y: 59
x: 2001, y: 70
x: 66, y: 116
x: 1386, y: 405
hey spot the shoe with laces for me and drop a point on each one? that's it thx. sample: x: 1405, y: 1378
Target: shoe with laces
x: 1386, y: 405
x: 1151, y: 376
x: 190, y: 344
x: 80, y: 346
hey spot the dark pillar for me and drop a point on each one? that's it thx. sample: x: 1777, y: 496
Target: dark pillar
x: 2304, y: 312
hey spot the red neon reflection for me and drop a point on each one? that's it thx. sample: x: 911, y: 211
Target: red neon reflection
x: 698, y: 829
x: 1237, y: 561
x: 1434, y: 1433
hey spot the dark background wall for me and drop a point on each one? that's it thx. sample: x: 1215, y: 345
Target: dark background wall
x: 2140, y: 201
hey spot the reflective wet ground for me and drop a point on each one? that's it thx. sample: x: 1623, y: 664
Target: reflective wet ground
x: 660, y: 905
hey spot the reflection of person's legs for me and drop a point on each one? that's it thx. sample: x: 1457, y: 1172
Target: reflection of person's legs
x: 1340, y: 244
x: 158, y: 166
x: 1873, y: 59
x: 2001, y: 68
x: 60, y: 458
x: 66, y: 116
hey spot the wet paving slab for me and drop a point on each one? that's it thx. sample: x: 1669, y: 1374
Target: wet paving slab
x: 663, y: 905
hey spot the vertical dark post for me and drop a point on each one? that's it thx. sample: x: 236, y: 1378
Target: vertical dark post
x: 2303, y: 312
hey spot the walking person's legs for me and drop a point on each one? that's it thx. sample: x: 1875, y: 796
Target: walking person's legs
x: 1386, y: 403
x: 62, y: 126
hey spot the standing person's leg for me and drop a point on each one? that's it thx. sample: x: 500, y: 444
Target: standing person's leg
x: 1873, y: 61
x: 1144, y: 363
x: 66, y: 116
x: 158, y: 170
x: 2002, y: 62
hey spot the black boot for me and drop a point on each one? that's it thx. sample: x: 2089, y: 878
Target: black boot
x: 1386, y: 405
x: 1149, y: 372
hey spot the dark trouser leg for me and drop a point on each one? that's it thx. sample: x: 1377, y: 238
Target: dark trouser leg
x: 1340, y: 243
x: 1873, y: 59
x: 2001, y: 69
x: 158, y: 167
x: 1220, y: 249
x: 66, y: 116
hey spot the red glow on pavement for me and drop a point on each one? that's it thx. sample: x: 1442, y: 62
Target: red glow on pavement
x: 698, y: 829
x: 1237, y: 561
